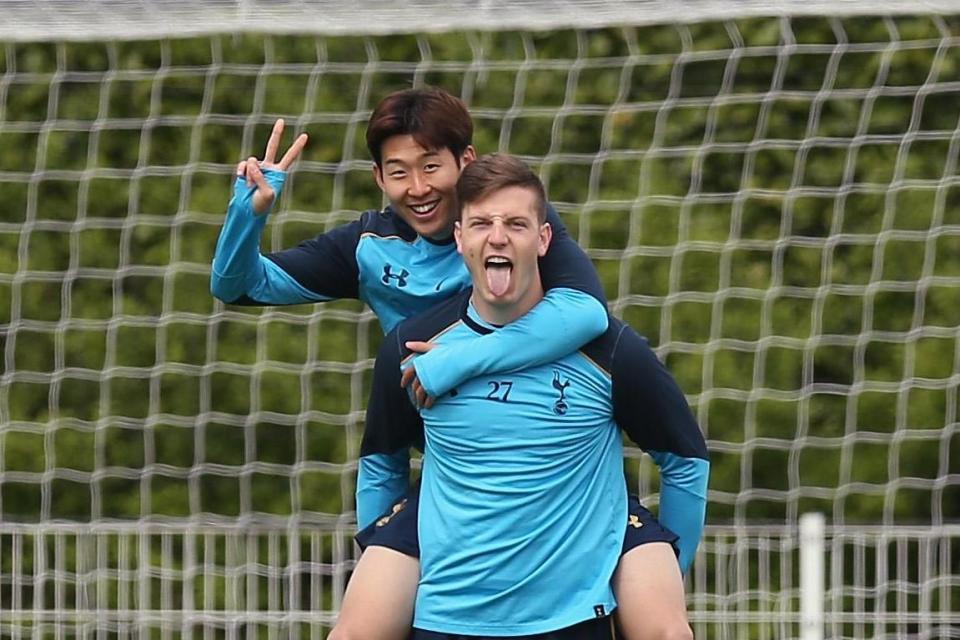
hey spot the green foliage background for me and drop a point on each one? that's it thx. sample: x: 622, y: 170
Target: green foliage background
x: 783, y: 223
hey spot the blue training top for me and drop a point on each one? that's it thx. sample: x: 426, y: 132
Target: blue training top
x: 523, y: 501
x: 381, y: 260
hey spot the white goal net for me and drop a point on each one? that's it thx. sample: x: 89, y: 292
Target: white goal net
x: 770, y: 193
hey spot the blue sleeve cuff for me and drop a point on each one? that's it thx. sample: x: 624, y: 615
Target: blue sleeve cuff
x: 561, y: 323
x: 244, y: 193
x: 237, y: 260
x: 381, y: 480
x: 683, y: 500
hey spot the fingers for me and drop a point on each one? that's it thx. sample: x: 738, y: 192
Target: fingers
x: 420, y: 397
x: 419, y: 347
x: 293, y: 152
x: 242, y: 169
x: 410, y: 379
x: 264, y: 195
x: 251, y: 170
x: 424, y: 401
x: 274, y: 142
x: 419, y: 394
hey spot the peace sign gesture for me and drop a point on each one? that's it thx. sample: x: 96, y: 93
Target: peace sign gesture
x: 252, y: 169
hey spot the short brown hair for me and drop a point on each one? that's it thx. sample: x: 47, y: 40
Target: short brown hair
x: 435, y: 119
x: 494, y: 171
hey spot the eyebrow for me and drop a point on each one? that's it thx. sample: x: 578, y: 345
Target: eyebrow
x: 427, y: 154
x: 506, y: 218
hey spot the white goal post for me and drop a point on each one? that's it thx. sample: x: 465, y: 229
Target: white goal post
x: 770, y: 192
x: 30, y: 20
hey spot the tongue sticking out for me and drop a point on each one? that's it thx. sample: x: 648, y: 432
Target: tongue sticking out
x: 498, y: 279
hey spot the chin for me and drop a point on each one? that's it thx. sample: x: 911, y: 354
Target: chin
x: 434, y: 225
x: 434, y: 229
x: 500, y: 302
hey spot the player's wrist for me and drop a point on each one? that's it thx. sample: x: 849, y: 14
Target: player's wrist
x: 245, y: 196
x: 424, y: 364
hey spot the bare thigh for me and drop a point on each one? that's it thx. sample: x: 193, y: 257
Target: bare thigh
x: 378, y: 603
x: 649, y: 590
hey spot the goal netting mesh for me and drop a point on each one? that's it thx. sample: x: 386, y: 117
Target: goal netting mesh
x: 770, y: 192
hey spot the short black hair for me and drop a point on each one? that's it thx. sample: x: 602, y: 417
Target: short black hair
x: 436, y: 120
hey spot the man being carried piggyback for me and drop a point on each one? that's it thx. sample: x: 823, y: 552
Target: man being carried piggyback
x: 519, y: 518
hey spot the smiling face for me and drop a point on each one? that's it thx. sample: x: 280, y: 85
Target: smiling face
x: 421, y: 183
x: 500, y: 236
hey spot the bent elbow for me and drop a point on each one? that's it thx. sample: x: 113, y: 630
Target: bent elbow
x: 595, y: 312
x: 221, y: 290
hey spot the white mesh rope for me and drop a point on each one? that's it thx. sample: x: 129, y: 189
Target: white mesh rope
x: 774, y: 201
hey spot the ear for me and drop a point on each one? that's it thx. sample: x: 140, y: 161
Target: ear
x: 378, y: 176
x: 469, y: 155
x: 546, y: 235
x: 456, y: 236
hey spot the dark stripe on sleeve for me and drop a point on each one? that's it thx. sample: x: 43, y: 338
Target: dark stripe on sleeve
x: 647, y: 402
x: 326, y: 264
x: 566, y: 265
x: 393, y: 423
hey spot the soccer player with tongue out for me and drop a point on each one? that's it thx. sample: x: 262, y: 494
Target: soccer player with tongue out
x: 518, y: 522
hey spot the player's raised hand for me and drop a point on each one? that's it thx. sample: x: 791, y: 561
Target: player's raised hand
x: 252, y: 169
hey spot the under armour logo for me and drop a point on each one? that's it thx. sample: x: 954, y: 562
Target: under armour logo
x: 560, y: 406
x: 634, y: 521
x: 388, y: 275
x: 397, y: 508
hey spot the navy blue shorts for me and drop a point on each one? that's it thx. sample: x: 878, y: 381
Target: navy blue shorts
x: 593, y: 629
x: 397, y: 529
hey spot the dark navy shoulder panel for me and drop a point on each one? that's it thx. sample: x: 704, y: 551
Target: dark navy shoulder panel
x: 428, y: 324
x: 393, y: 422
x: 566, y: 265
x: 648, y: 404
x: 327, y: 264
x: 386, y: 224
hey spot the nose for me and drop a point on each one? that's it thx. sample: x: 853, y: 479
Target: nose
x: 419, y: 185
x: 498, y: 234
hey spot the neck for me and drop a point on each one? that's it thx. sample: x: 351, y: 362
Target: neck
x: 502, y: 314
x: 442, y: 238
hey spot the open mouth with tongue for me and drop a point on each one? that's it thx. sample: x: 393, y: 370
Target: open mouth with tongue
x: 499, y: 270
